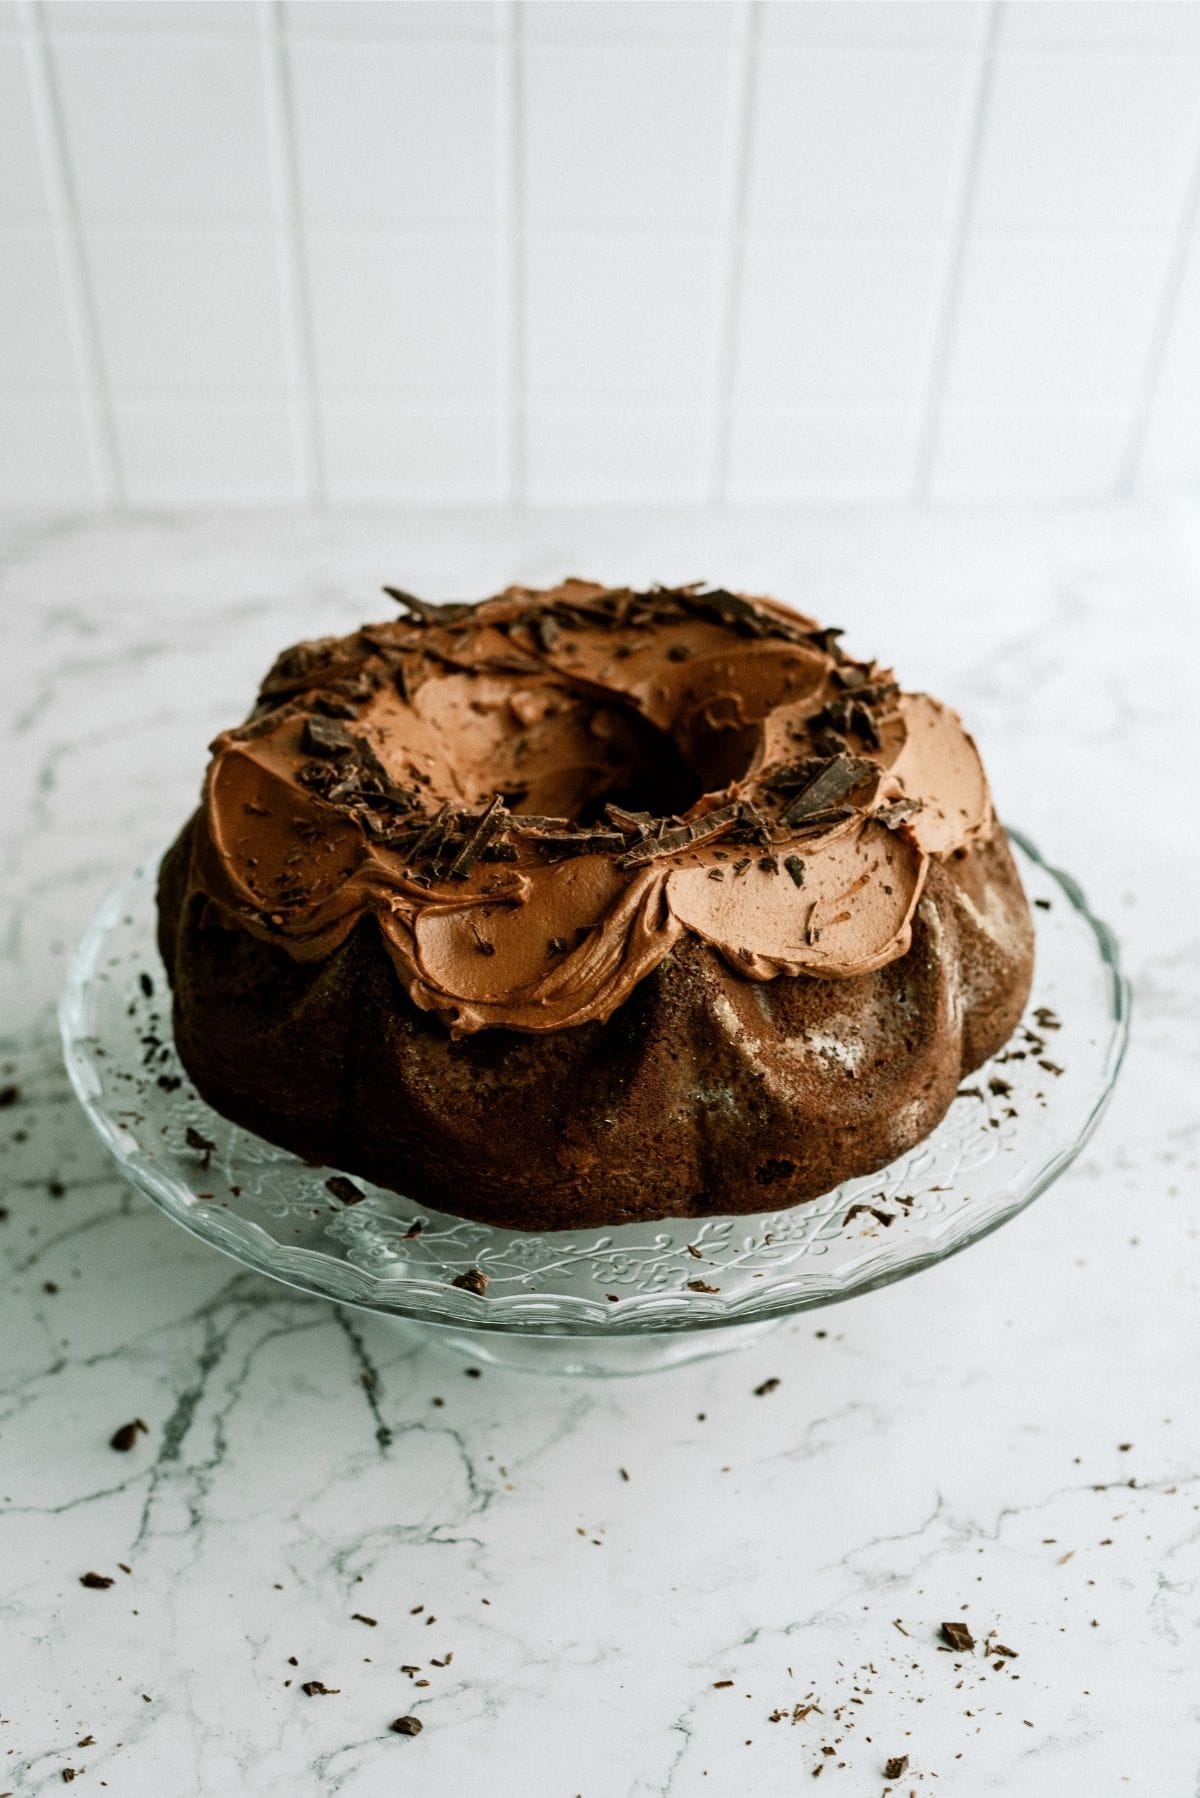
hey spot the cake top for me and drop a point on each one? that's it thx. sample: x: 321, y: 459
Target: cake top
x: 535, y: 796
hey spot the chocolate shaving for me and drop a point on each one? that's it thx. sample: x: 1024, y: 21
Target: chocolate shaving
x: 583, y: 842
x: 428, y: 845
x: 730, y: 608
x: 895, y: 1766
x: 316, y: 1688
x: 899, y: 811
x: 701, y: 1286
x: 422, y: 610
x: 331, y: 706
x: 532, y: 821
x: 863, y: 724
x: 826, y: 640
x: 371, y: 770
x: 406, y: 1726
x: 686, y: 836
x: 349, y: 787
x: 194, y: 1140
x: 545, y: 630
x: 792, y: 775
x: 636, y: 823
x: 958, y: 1637
x: 345, y: 1190
x: 752, y: 826
x: 302, y: 660
x: 124, y: 1438
x: 852, y: 714
x: 490, y: 824
x: 325, y: 736
x: 795, y: 868
x: 836, y: 779
x: 881, y: 1217
x: 96, y: 1582
x: 473, y: 1280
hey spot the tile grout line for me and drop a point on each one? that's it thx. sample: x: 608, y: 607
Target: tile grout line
x: 74, y: 274
x: 291, y: 256
x: 945, y: 319
x: 512, y: 444
x: 733, y: 243
x: 1154, y: 360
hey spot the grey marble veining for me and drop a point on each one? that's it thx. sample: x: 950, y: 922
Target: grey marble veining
x: 1012, y: 1439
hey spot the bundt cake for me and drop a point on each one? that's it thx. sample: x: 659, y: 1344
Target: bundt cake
x: 586, y: 905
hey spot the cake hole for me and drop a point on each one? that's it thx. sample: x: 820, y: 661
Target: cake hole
x: 646, y: 774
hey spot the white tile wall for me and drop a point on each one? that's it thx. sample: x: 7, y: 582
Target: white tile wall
x: 396, y: 313
x: 617, y: 135
x: 1027, y: 452
x: 162, y: 127
x: 858, y: 138
x: 607, y: 314
x: 617, y: 454
x: 1060, y: 321
x: 22, y: 193
x: 872, y: 22
x: 556, y: 251
x: 1179, y: 382
x: 44, y: 458
x: 359, y: 19
x: 829, y: 317
x: 187, y: 311
x: 35, y: 343
x: 384, y: 455
x: 1101, y: 142
x: 188, y: 451
x: 630, y: 20
x: 822, y: 454
x: 395, y: 133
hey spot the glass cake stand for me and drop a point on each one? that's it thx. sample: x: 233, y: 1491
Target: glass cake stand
x: 634, y: 1297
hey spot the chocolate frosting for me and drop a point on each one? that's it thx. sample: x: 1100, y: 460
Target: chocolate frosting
x: 535, y: 797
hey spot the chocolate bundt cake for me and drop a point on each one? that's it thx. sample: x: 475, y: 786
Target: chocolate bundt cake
x: 587, y: 905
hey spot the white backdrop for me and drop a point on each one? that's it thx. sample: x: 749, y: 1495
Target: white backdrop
x: 652, y: 251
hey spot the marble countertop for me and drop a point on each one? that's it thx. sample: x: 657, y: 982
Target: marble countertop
x: 630, y: 1588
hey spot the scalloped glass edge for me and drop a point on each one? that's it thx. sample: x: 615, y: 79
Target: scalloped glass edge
x: 319, y: 1274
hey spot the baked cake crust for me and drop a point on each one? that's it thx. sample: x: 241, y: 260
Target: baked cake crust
x: 590, y: 905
